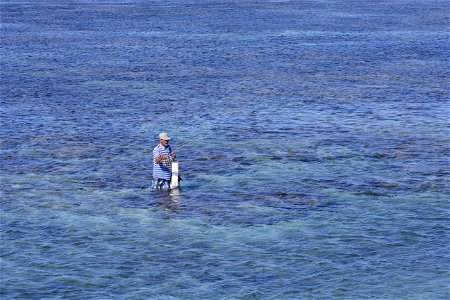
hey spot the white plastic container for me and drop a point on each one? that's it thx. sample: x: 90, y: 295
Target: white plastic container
x: 174, y: 180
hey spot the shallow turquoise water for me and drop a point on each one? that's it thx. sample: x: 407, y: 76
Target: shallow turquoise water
x: 322, y: 171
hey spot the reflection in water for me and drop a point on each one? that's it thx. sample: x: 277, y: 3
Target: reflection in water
x: 171, y: 204
x: 175, y: 195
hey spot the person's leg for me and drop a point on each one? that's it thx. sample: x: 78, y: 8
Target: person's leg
x: 160, y: 184
x: 165, y: 185
x: 155, y: 183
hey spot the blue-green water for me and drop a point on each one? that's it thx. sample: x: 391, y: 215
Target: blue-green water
x: 322, y: 171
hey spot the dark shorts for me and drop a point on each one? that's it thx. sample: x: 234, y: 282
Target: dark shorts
x: 160, y: 184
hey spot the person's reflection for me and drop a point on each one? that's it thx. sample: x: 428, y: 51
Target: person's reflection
x: 171, y: 204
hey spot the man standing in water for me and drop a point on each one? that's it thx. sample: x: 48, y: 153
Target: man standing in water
x: 162, y: 163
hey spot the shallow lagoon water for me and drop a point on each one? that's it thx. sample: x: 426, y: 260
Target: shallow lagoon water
x: 322, y: 171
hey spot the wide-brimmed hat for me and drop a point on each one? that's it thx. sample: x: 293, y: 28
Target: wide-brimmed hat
x: 164, y: 136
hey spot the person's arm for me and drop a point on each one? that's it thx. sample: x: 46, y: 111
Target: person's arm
x: 164, y: 157
x: 161, y: 158
x: 156, y: 156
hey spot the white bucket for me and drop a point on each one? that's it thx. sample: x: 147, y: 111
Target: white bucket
x: 174, y: 180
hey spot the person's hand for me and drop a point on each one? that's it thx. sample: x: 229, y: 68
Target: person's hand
x: 173, y: 155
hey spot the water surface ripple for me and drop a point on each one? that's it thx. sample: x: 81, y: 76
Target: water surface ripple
x: 322, y: 172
